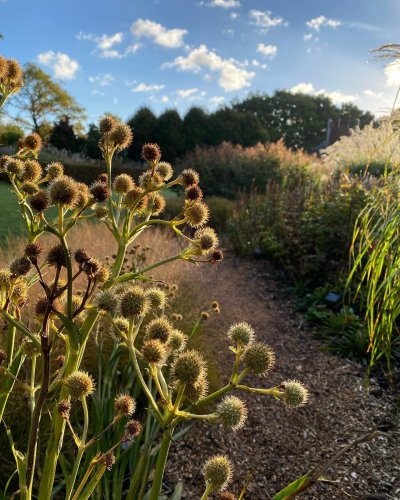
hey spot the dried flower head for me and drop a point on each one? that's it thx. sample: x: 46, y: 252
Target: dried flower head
x: 164, y: 170
x: 14, y: 166
x: 13, y: 71
x: 123, y: 183
x: 121, y: 136
x: 107, y: 124
x: 204, y: 315
x: 207, y: 239
x: 154, y: 351
x: 30, y: 348
x: 81, y: 256
x: 259, y: 358
x: 60, y: 361
x: 216, y: 256
x: 193, y: 193
x: 79, y: 384
x: 32, y: 251
x: 100, y: 191
x: 30, y: 188
x: 101, y: 212
x: 20, y: 266
x: 103, y: 177
x: 133, y: 428
x: 160, y: 329
x: 3, y: 161
x: 197, y: 391
x: 132, y: 197
x: 177, y: 340
x: 107, y: 302
x: 197, y: 214
x: 232, y: 412
x: 91, y: 267
x: 33, y: 142
x: 20, y: 292
x: 120, y: 329
x: 5, y: 277
x: 55, y: 170
x: 124, y: 405
x: 151, y: 152
x: 226, y: 495
x: 157, y: 204
x: 39, y: 201
x: 188, y: 178
x: 64, y: 409
x: 32, y: 171
x: 56, y: 256
x: 156, y: 297
x: 242, y: 333
x: 43, y: 303
x: 294, y: 393
x: 218, y: 472
x: 64, y: 191
x: 102, y: 274
x: 83, y: 195
x: 188, y: 367
x: 134, y: 302
x: 109, y: 460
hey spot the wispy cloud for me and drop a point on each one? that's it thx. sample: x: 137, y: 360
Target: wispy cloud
x: 269, y: 51
x: 159, y: 34
x: 103, y: 79
x: 336, y: 96
x: 105, y: 44
x: 321, y: 22
x: 142, y: 87
x: 63, y: 66
x: 216, y: 100
x: 264, y: 20
x: 225, y: 4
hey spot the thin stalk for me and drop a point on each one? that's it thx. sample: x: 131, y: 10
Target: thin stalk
x: 130, y: 276
x: 11, y: 330
x: 207, y: 493
x: 32, y: 386
x: 160, y: 465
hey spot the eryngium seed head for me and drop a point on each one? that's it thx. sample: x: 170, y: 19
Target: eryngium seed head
x: 121, y: 135
x: 64, y: 409
x: 107, y: 301
x: 197, y: 214
x: 120, y: 327
x: 20, y: 266
x: 33, y: 250
x: 30, y: 348
x: 232, y: 412
x: 154, y: 351
x: 3, y: 161
x: 259, y: 358
x: 55, y: 170
x: 164, y: 170
x: 151, y: 152
x: 188, y: 367
x: 81, y: 256
x: 39, y: 201
x: 217, y: 472
x: 109, y: 460
x: 132, y: 196
x: 134, y: 302
x: 189, y: 177
x: 32, y: 171
x: 160, y: 329
x: 207, y: 238
x: 30, y: 188
x: 101, y: 212
x: 103, y: 177
x: 156, y: 297
x: 294, y: 393
x: 3, y: 356
x: 226, y: 495
x: 33, y: 142
x: 20, y: 292
x: 157, y: 204
x: 5, y: 277
x: 198, y: 390
x: 177, y: 340
x: 56, y: 257
x: 100, y: 191
x: 242, y: 333
x: 79, y: 384
x: 64, y: 191
x: 13, y: 71
x: 193, y: 193
x: 107, y: 124
x: 83, y: 195
x: 217, y: 256
x: 14, y: 166
x: 133, y: 428
x: 123, y: 183
x: 124, y: 404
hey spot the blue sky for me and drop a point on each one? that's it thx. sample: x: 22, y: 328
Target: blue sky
x: 118, y: 55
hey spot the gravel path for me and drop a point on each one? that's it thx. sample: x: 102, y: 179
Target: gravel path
x: 278, y: 445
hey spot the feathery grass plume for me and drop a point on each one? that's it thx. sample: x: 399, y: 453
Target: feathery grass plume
x: 134, y: 302
x: 197, y: 214
x: 188, y: 367
x: 259, y: 358
x: 107, y: 301
x: 232, y: 412
x: 242, y: 333
x: 33, y: 142
x: 39, y: 201
x: 151, y: 152
x: 160, y: 329
x: 124, y: 405
x: 32, y: 171
x: 217, y: 472
x: 294, y: 393
x: 123, y: 183
x: 154, y: 351
x: 55, y: 170
x: 164, y: 170
x: 79, y: 384
x: 157, y: 298
x: 64, y: 191
x: 20, y: 266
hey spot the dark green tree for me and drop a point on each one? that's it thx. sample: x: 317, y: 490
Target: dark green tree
x: 63, y: 136
x: 143, y: 123
x: 195, y: 128
x: 91, y: 144
x: 10, y: 133
x: 169, y: 135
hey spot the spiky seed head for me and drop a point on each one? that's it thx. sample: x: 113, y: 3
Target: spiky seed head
x: 64, y: 191
x: 294, y: 393
x: 3, y: 162
x: 121, y: 136
x: 3, y: 356
x: 157, y: 204
x: 39, y: 201
x: 60, y: 361
x: 109, y: 460
x: 151, y: 152
x: 134, y: 302
x: 20, y: 266
x: 188, y: 178
x: 157, y: 298
x: 132, y: 197
x: 42, y: 304
x: 100, y: 191
x: 198, y: 390
x: 149, y: 179
x: 64, y: 409
x: 242, y: 333
x: 159, y: 328
x: 5, y: 277
x: 226, y: 495
x: 101, y: 212
x: 103, y: 177
x: 13, y: 70
x: 188, y: 367
x: 81, y: 256
x: 193, y: 193
x: 107, y: 302
x: 259, y: 358
x: 56, y: 257
x: 102, y: 274
x: 164, y: 170
x: 216, y: 256
x: 3, y: 67
x: 55, y: 170
x: 83, y: 194
x: 154, y: 351
x: 33, y: 142
x: 14, y: 167
x: 120, y: 327
x: 207, y: 239
x: 217, y: 472
x: 107, y: 124
x: 30, y: 188
x: 32, y: 171
x: 177, y: 340
x: 32, y: 251
x: 79, y: 384
x: 30, y: 348
x: 133, y: 428
x: 123, y: 183
x: 124, y: 405
x: 232, y: 412
x: 197, y: 214
x: 91, y: 267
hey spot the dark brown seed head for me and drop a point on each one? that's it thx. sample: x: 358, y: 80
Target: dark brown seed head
x: 56, y: 257
x: 64, y: 191
x: 217, y: 256
x: 151, y: 152
x: 81, y: 256
x: 20, y: 266
x: 194, y: 193
x: 32, y: 251
x: 64, y: 409
x: 189, y: 177
x: 33, y: 142
x: 133, y: 428
x: 39, y: 201
x: 103, y: 178
x: 107, y: 124
x: 109, y: 460
x: 124, y: 404
x: 100, y: 191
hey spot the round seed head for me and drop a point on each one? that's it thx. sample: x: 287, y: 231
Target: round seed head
x: 218, y: 472
x: 20, y: 266
x: 189, y: 177
x: 132, y: 197
x: 121, y: 135
x: 30, y: 348
x: 64, y: 191
x: 3, y: 356
x: 107, y: 302
x: 242, y: 333
x: 42, y: 304
x: 33, y: 142
x: 159, y: 329
x: 30, y: 188
x: 103, y: 177
x: 232, y: 412
x: 56, y: 257
x: 3, y: 162
x: 294, y: 393
x: 3, y: 68
x: 259, y: 358
x: 197, y: 391
x: 157, y: 298
x: 154, y: 351
x: 204, y: 315
x: 188, y: 367
x: 119, y: 329
x: 157, y: 204
x: 134, y: 302
x: 5, y: 277
x: 164, y: 170
x: 64, y: 409
x: 32, y: 171
x: 123, y: 183
x: 207, y: 239
x: 55, y: 170
x: 100, y: 191
x: 20, y: 293
x: 13, y: 71
x: 177, y: 340
x: 107, y: 124
x: 216, y: 256
x: 109, y: 460
x: 79, y: 384
x: 215, y: 304
x: 14, y: 166
x: 39, y: 201
x: 83, y: 195
x: 133, y: 428
x: 147, y: 179
x: 193, y: 193
x: 81, y: 256
x: 124, y: 405
x: 102, y: 274
x: 60, y: 361
x: 197, y: 214
x: 91, y: 267
x: 151, y: 152
x: 101, y: 212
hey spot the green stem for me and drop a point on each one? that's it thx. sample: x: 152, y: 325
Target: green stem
x: 207, y: 493
x: 11, y: 329
x: 7, y: 381
x: 160, y: 465
x: 32, y: 385
x: 130, y: 276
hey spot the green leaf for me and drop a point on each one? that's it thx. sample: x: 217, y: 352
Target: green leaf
x: 291, y: 488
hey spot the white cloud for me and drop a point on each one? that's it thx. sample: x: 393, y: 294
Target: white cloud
x: 307, y: 37
x: 229, y: 32
x: 231, y: 76
x: 257, y: 64
x: 142, y: 87
x: 104, y: 43
x: 225, y: 4
x: 98, y: 92
x: 392, y: 72
x: 170, y: 38
x: 233, y: 15
x: 264, y: 20
x: 336, y: 96
x: 267, y: 50
x: 371, y: 93
x: 103, y: 79
x: 217, y: 100
x: 62, y: 65
x: 186, y: 93
x: 319, y: 22
x: 163, y: 99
